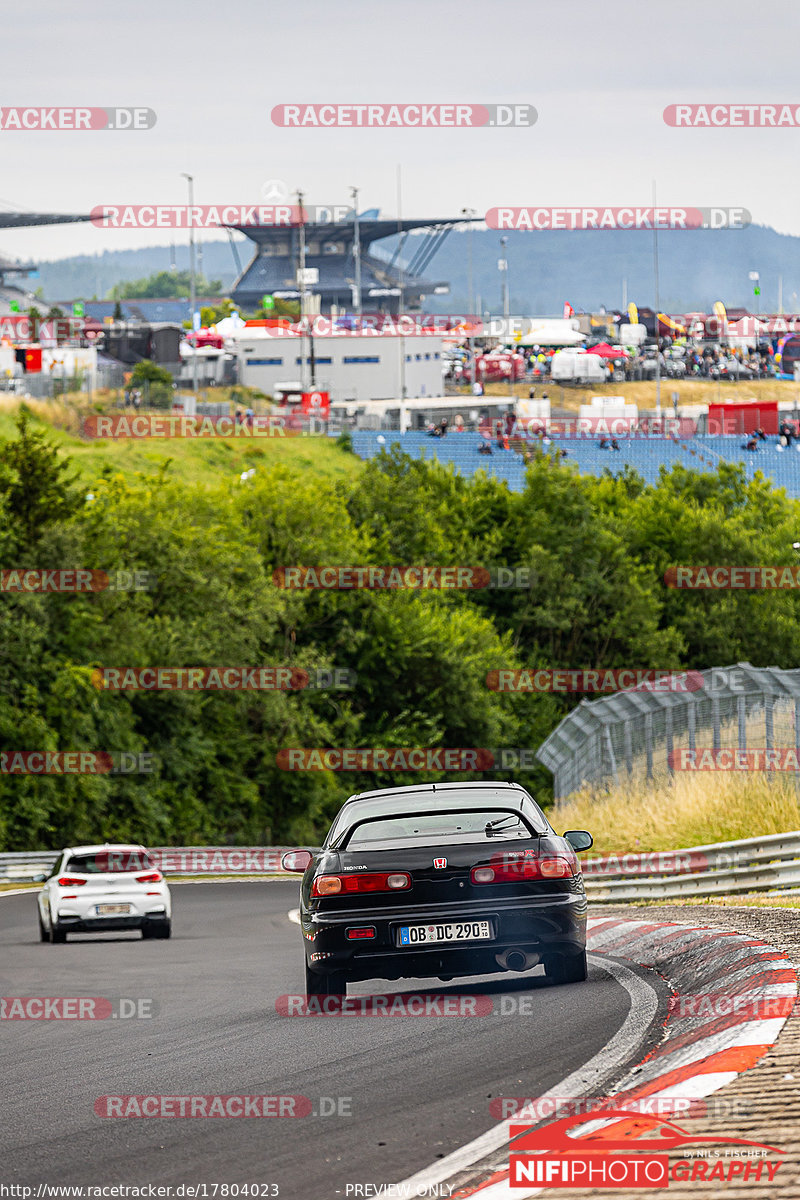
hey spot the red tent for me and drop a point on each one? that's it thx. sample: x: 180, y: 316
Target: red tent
x: 606, y: 351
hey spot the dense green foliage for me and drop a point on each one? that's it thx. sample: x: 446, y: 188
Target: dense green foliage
x: 597, y: 550
x: 164, y: 285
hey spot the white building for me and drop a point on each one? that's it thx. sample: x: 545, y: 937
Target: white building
x: 367, y: 367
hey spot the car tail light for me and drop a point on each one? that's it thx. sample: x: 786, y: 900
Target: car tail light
x: 359, y: 884
x: 511, y: 868
x: 555, y: 868
x: 358, y: 935
x: 69, y: 881
x: 155, y: 877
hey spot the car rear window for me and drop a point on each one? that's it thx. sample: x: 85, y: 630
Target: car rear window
x: 438, y: 828
x: 109, y: 862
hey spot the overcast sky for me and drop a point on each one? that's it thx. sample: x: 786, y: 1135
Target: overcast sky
x: 599, y: 75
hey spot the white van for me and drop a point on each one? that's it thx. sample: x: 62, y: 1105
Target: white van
x: 568, y: 365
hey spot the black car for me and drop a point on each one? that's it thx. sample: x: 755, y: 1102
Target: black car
x: 441, y: 880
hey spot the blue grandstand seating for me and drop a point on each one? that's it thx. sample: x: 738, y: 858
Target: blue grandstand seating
x: 644, y: 456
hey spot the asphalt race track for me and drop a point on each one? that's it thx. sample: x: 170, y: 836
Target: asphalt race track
x: 418, y: 1087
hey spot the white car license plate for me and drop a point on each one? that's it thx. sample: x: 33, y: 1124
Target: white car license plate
x: 453, y: 931
x: 113, y: 910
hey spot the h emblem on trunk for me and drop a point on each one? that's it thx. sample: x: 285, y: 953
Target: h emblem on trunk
x: 440, y: 863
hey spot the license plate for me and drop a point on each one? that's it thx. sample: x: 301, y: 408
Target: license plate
x: 453, y: 931
x: 113, y: 910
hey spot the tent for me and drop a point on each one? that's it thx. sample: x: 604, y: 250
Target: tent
x: 606, y: 351
x: 554, y: 333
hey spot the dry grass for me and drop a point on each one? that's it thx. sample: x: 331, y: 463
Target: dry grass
x: 691, y: 811
x: 690, y: 391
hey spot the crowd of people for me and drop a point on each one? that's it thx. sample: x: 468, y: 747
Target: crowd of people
x: 675, y: 360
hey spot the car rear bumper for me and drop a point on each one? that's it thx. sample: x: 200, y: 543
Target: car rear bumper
x: 539, y: 925
x: 75, y: 924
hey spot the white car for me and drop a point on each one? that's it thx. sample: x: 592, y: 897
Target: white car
x: 92, y: 889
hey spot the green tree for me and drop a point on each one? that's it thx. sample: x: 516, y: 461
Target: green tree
x: 155, y: 381
x: 35, y: 486
x: 164, y: 285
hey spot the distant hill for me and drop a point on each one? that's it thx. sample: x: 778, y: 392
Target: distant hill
x: 586, y: 268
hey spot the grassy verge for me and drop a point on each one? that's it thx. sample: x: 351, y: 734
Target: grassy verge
x: 205, y: 462
x: 691, y: 811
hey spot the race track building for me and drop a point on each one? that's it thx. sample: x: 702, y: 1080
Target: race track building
x: 351, y: 369
x: 386, y: 286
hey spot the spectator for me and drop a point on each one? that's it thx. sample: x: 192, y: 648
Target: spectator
x: 432, y: 430
x: 458, y: 424
x: 443, y: 427
x: 532, y: 394
x: 603, y: 443
x: 614, y: 444
x: 751, y: 444
x: 484, y: 448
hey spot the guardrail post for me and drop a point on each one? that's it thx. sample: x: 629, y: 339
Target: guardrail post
x: 668, y: 730
x: 715, y: 721
x: 741, y: 712
x: 691, y: 721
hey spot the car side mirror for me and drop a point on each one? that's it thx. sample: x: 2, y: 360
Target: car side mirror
x: 579, y: 839
x: 296, y: 860
x: 39, y: 878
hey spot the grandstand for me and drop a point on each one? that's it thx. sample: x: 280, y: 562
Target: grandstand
x: 386, y: 285
x: 702, y: 453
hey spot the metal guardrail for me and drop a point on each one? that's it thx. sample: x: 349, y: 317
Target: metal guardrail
x: 723, y: 868
x: 765, y: 864
x: 24, y: 866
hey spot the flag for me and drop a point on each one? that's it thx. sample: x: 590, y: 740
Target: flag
x: 569, y: 311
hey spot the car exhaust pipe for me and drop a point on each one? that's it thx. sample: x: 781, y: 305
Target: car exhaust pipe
x: 517, y: 960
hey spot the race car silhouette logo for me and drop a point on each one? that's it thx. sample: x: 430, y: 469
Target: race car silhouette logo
x: 563, y: 1154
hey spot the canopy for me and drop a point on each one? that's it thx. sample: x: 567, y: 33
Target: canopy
x: 552, y: 334
x: 606, y: 351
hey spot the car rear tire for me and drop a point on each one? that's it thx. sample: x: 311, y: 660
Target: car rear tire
x: 334, y: 984
x: 44, y: 936
x: 57, y: 936
x: 162, y: 930
x: 566, y: 968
